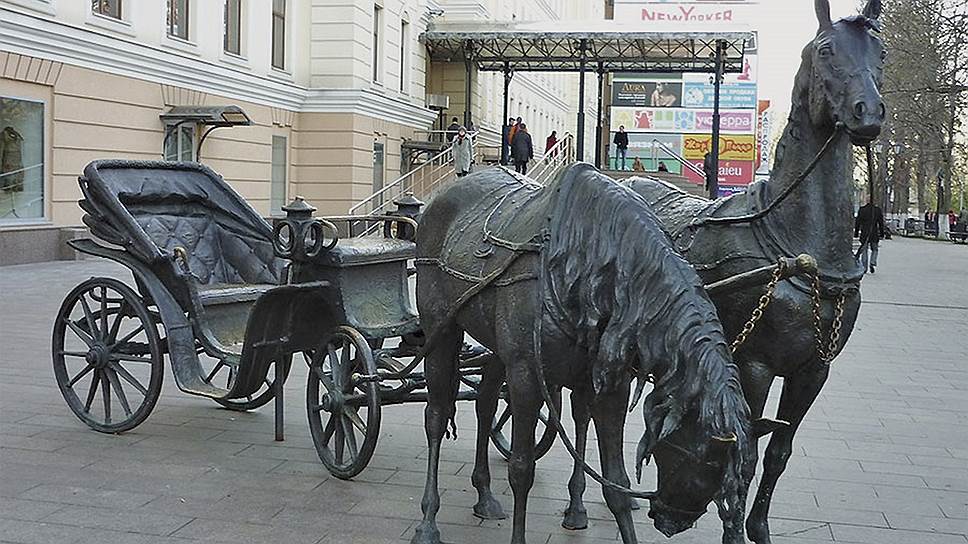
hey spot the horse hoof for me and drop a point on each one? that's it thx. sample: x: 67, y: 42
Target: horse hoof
x: 634, y: 503
x: 489, y: 509
x: 426, y: 535
x: 575, y: 520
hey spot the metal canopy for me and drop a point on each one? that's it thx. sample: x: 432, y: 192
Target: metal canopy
x: 557, y: 46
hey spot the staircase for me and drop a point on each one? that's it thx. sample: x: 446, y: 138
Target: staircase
x: 431, y: 176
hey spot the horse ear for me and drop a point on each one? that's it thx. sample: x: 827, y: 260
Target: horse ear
x: 873, y: 9
x: 823, y: 13
x: 765, y: 426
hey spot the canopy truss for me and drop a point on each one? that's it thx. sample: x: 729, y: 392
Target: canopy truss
x: 554, y: 47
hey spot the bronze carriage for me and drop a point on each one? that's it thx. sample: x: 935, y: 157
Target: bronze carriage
x: 230, y: 300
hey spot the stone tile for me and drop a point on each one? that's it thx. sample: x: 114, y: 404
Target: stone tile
x: 873, y: 535
x: 87, y: 496
x: 125, y: 521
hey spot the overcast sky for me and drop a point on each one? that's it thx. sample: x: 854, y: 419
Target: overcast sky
x: 785, y: 27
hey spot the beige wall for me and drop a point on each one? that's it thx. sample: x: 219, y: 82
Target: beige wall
x: 95, y: 115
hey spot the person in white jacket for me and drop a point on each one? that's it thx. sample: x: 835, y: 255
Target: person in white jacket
x: 463, y: 153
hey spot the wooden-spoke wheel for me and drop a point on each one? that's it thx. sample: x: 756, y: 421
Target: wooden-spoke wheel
x: 222, y: 374
x: 544, y: 431
x: 343, y: 402
x: 105, y: 344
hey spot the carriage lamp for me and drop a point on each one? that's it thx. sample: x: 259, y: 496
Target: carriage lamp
x: 300, y: 236
x: 407, y: 206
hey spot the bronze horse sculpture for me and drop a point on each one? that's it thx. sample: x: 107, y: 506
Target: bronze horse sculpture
x: 577, y: 285
x: 836, y: 103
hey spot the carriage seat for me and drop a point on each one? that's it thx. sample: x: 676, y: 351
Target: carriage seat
x: 219, y: 253
x: 365, y: 250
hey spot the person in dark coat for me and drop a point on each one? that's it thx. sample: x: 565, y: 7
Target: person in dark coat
x: 869, y: 227
x: 621, y: 141
x: 522, y: 149
x: 452, y: 129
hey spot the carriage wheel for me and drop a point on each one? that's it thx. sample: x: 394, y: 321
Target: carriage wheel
x: 105, y: 344
x: 262, y: 396
x: 544, y: 432
x: 344, y: 412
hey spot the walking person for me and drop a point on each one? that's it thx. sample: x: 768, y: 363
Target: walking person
x: 551, y: 141
x: 463, y: 153
x: 506, y: 142
x: 621, y: 141
x: 522, y: 149
x: 869, y: 227
x: 452, y: 130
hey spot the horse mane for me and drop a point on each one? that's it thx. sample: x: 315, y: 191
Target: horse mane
x: 631, y: 298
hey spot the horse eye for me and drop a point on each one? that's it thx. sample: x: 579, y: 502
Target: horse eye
x: 826, y: 51
x: 883, y: 54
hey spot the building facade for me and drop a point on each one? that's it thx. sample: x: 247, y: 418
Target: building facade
x: 332, y: 89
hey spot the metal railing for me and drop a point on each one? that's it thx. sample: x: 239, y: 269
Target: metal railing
x: 559, y: 156
x: 682, y: 160
x: 423, y: 181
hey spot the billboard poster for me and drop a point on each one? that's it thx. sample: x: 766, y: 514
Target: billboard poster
x: 732, y: 147
x: 641, y: 146
x: 730, y: 172
x: 660, y: 94
x: 681, y: 120
x: 702, y: 95
x: 763, y: 130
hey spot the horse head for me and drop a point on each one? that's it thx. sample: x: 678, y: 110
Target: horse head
x: 844, y: 63
x: 703, y: 454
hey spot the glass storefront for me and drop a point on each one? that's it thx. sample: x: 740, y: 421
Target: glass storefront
x: 21, y: 160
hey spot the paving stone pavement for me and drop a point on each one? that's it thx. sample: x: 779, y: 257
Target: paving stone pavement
x: 882, y: 457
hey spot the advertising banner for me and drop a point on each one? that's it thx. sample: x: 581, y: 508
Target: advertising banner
x: 763, y: 129
x: 702, y: 95
x: 682, y: 120
x: 730, y: 172
x: 732, y: 147
x: 660, y: 94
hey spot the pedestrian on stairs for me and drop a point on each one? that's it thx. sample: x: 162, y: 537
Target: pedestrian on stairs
x: 522, y: 149
x: 463, y: 153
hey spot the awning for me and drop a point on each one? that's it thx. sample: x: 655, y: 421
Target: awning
x: 558, y: 46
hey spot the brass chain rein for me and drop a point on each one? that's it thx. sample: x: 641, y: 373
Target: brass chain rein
x: 825, y: 353
x: 764, y: 301
x: 828, y: 352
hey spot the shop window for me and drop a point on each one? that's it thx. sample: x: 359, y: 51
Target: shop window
x: 180, y: 142
x: 108, y: 8
x: 178, y: 18
x: 277, y: 196
x: 233, y: 27
x: 21, y: 160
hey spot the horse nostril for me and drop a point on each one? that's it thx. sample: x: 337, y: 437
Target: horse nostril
x: 859, y: 109
x: 882, y: 110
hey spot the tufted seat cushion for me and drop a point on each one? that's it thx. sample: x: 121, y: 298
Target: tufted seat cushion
x: 217, y: 253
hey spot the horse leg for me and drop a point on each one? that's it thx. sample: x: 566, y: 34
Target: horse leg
x: 799, y: 392
x: 487, y: 506
x: 576, y: 517
x: 756, y: 379
x: 526, y: 400
x: 609, y: 413
x: 440, y: 370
